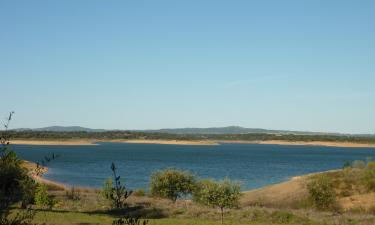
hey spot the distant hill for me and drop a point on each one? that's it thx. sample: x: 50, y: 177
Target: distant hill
x: 210, y: 130
x: 233, y: 130
x: 63, y: 129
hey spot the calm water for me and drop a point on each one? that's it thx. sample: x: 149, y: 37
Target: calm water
x: 253, y: 165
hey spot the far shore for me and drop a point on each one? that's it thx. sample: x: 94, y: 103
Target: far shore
x: 54, y: 142
x: 94, y: 142
x: 307, y: 143
x: 163, y: 142
x: 83, y: 142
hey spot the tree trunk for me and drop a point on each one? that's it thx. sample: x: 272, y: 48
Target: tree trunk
x: 222, y: 215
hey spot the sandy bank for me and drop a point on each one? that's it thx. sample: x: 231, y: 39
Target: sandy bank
x: 52, y: 185
x: 53, y: 142
x: 94, y: 142
x: 163, y: 142
x: 308, y: 143
x: 79, y: 142
x: 32, y: 167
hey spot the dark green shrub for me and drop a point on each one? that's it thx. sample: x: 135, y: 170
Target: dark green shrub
x: 23, y: 218
x: 42, y: 198
x: 347, y: 164
x: 15, y: 185
x: 12, y: 177
x: 171, y: 183
x: 321, y: 192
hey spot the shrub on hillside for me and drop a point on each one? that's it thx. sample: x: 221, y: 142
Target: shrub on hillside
x: 15, y: 183
x: 347, y: 164
x: 368, y: 176
x: 171, y: 184
x: 23, y: 218
x: 358, y: 164
x: 223, y: 194
x: 42, y: 198
x: 322, y: 193
x: 107, y: 189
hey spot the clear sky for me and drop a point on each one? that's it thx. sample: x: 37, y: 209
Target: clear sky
x: 296, y: 65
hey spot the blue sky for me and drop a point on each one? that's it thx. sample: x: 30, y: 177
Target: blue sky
x: 296, y: 65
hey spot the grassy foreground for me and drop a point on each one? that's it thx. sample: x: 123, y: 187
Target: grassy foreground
x: 250, y: 217
x: 281, y: 204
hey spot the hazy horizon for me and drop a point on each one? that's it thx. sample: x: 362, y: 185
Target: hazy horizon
x: 278, y: 65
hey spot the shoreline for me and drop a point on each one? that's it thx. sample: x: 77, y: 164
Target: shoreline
x: 39, y: 178
x: 304, y: 143
x: 162, y: 142
x: 88, y: 142
x: 73, y: 142
x: 30, y: 166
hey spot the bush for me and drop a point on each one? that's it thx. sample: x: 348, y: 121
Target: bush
x: 224, y: 194
x: 171, y: 184
x: 368, y: 177
x: 15, y: 184
x: 358, y: 164
x: 42, y: 198
x: 23, y: 218
x: 321, y: 192
x: 347, y: 164
x: 108, y: 190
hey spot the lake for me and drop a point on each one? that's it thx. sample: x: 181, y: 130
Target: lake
x: 252, y: 164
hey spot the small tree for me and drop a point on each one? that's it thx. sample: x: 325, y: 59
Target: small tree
x: 321, y: 192
x: 171, y: 183
x: 42, y: 198
x: 115, y: 191
x: 223, y: 194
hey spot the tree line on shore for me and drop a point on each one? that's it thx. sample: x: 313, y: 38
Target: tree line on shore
x: 108, y: 135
